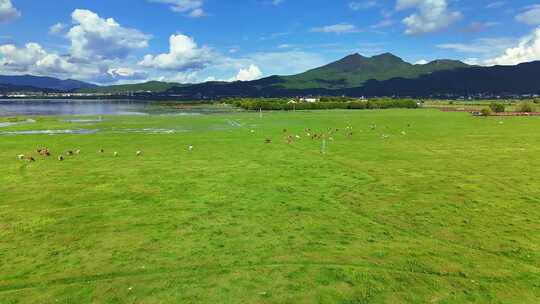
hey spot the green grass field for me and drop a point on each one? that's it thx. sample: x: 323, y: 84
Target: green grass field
x: 429, y: 207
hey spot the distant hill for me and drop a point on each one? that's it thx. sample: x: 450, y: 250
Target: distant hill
x: 498, y: 80
x: 354, y: 70
x: 45, y: 82
x: 8, y: 88
x: 150, y: 86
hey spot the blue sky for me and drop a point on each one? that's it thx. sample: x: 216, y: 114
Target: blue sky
x: 119, y: 41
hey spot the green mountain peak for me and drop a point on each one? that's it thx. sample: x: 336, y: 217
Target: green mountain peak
x: 355, y: 69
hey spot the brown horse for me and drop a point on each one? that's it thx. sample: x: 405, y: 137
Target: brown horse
x: 44, y: 152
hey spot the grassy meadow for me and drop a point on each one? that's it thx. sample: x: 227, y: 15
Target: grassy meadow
x: 417, y: 206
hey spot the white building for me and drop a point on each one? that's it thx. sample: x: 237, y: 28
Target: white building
x: 309, y: 100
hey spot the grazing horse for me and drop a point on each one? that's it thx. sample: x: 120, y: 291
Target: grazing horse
x: 24, y: 157
x: 44, y: 152
x: 60, y: 158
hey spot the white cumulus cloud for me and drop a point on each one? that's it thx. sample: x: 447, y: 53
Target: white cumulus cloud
x: 251, y: 73
x: 430, y: 16
x: 8, y: 11
x: 94, y: 37
x: 32, y: 58
x: 19, y: 59
x: 183, y: 55
x: 528, y: 49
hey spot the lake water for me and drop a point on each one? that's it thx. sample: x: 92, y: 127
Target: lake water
x: 30, y: 107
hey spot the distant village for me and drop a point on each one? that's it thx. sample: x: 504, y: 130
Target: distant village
x: 304, y: 99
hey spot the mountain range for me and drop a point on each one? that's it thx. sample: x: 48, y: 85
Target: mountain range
x: 354, y: 75
x: 349, y: 72
x: 40, y: 82
x: 521, y: 79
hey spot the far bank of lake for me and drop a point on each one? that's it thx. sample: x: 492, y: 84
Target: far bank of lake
x: 39, y: 107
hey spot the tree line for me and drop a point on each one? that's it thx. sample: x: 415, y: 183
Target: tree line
x: 326, y: 103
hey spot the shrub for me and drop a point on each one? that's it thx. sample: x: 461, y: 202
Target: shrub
x: 526, y: 107
x: 497, y: 107
x: 486, y: 112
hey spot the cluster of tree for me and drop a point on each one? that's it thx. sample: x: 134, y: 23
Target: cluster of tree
x: 285, y: 105
x: 523, y: 107
x: 497, y: 107
x: 526, y: 107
